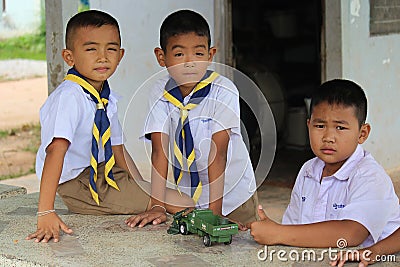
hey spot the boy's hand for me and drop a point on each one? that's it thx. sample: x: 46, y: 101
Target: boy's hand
x: 154, y: 216
x: 241, y: 226
x: 264, y: 230
x: 48, y: 227
x: 364, y: 258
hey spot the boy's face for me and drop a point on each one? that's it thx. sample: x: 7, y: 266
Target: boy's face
x: 95, y: 54
x: 334, y: 134
x: 187, y: 57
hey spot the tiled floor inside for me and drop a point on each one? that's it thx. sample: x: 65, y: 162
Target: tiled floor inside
x: 274, y: 193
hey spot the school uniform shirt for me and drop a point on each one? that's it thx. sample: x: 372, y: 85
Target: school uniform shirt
x: 69, y: 113
x: 360, y: 191
x: 216, y: 112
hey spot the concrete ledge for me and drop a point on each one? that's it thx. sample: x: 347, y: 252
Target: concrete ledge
x: 7, y: 191
x: 107, y: 241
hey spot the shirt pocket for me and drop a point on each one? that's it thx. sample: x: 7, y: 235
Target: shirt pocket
x: 204, y: 125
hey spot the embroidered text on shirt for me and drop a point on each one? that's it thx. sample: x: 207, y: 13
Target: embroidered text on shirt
x: 206, y: 120
x: 338, y: 206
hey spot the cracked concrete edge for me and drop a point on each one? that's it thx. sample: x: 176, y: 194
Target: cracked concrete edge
x: 7, y: 191
x: 8, y: 260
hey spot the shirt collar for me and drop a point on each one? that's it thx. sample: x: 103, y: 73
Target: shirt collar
x: 315, y: 170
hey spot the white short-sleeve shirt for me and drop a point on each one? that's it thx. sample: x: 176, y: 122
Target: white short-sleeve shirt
x: 69, y: 113
x: 359, y: 191
x: 218, y: 111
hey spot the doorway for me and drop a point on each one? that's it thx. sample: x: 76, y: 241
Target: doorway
x: 278, y: 45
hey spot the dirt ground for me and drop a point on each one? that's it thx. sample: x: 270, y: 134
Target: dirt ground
x: 19, y: 124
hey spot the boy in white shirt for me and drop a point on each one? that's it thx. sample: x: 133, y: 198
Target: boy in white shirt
x: 82, y: 155
x: 211, y: 162
x: 343, y: 192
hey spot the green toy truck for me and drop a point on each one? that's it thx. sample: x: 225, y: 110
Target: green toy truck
x: 204, y: 223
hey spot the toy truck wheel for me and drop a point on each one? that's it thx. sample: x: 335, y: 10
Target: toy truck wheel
x: 206, y: 240
x: 228, y: 242
x: 183, y: 229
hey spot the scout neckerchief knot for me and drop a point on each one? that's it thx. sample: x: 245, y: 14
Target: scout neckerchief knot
x: 101, y: 128
x: 183, y: 135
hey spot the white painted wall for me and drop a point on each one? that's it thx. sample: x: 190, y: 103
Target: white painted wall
x: 20, y: 17
x: 374, y: 63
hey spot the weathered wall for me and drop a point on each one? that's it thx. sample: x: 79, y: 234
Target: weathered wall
x: 374, y: 63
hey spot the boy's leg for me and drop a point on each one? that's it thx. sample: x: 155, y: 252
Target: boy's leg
x: 247, y: 212
x: 131, y: 199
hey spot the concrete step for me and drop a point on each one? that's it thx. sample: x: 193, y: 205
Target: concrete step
x: 7, y: 191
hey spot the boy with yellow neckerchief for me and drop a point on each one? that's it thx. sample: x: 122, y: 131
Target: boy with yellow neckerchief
x: 82, y: 155
x: 195, y: 112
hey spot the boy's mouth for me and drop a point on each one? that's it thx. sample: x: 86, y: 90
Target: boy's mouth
x: 328, y: 151
x: 102, y: 69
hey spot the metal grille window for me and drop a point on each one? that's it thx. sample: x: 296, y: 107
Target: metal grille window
x: 384, y: 17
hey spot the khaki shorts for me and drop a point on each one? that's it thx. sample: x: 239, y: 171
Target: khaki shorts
x: 131, y: 199
x: 247, y: 212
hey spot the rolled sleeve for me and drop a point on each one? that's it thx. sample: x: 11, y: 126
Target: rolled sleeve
x: 227, y: 110
x: 158, y: 118
x: 59, y: 119
x: 368, y: 196
x: 374, y: 217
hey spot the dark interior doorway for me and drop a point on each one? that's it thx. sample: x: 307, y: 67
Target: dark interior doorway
x: 277, y: 44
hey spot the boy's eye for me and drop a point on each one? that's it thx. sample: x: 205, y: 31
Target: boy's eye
x: 91, y: 49
x: 341, y: 128
x: 319, y: 126
x: 112, y: 49
x: 200, y: 54
x: 178, y: 54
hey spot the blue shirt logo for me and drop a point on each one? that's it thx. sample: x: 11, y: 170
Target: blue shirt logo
x: 206, y: 120
x: 303, y: 199
x: 338, y: 206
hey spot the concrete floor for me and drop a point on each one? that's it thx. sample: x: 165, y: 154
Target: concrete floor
x: 107, y: 241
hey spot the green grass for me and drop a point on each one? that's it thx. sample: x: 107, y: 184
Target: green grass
x: 34, y: 129
x: 31, y: 46
x: 16, y: 175
x: 4, y: 134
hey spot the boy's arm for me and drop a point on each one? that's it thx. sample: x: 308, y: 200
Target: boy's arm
x: 318, y: 235
x: 156, y: 212
x: 372, y: 254
x: 389, y: 245
x: 216, y: 169
x: 48, y: 226
x: 125, y: 161
x: 159, y: 170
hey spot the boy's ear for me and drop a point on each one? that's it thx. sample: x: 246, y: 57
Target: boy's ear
x: 68, y: 57
x: 160, y: 56
x: 364, y: 133
x: 121, y: 54
x: 211, y: 53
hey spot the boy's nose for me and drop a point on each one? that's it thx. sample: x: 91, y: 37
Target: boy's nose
x: 189, y: 64
x: 328, y: 137
x: 102, y: 55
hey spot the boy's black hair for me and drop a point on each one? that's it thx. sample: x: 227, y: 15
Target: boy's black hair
x: 181, y: 22
x: 342, y: 92
x: 88, y: 18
